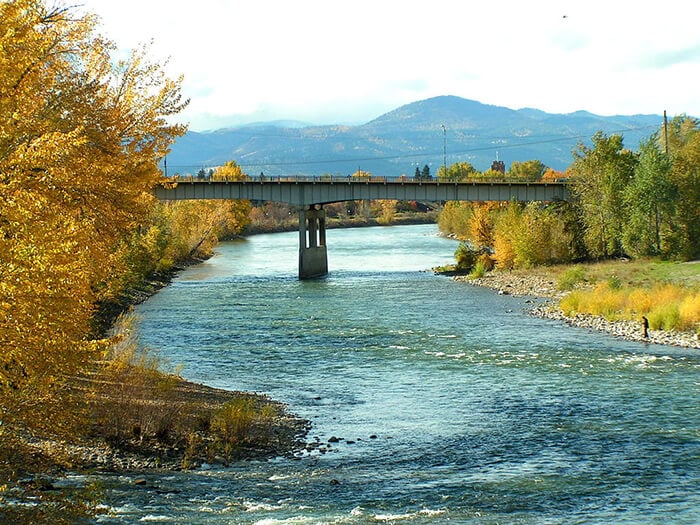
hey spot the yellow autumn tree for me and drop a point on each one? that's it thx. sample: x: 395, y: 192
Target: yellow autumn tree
x: 387, y: 211
x: 196, y: 226
x: 80, y: 136
x: 481, y: 223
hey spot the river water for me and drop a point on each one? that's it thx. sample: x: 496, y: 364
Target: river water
x: 452, y: 405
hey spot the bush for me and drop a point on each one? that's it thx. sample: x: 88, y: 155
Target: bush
x: 689, y: 311
x: 478, y: 271
x: 664, y: 317
x: 132, y: 396
x: 484, y: 263
x: 465, y: 257
x: 571, y: 304
x: 572, y: 276
x: 614, y: 282
x: 239, y: 421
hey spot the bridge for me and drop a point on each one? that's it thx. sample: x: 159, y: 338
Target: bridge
x: 311, y: 193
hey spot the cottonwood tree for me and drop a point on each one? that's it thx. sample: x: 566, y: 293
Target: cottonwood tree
x: 600, y: 175
x: 530, y: 170
x: 684, y: 151
x: 80, y: 136
x: 649, y: 200
x: 459, y: 171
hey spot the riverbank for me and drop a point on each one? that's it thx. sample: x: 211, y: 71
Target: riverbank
x: 146, y: 419
x: 185, y: 411
x: 540, y: 283
x: 334, y: 223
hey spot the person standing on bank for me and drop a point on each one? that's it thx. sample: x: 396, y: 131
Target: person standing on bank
x: 645, y: 327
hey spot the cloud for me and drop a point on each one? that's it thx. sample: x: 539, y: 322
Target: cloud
x: 669, y: 58
x: 331, y: 61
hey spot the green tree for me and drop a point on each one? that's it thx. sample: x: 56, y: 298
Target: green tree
x: 544, y: 238
x: 599, y: 177
x: 529, y: 170
x: 649, y: 201
x: 459, y: 171
x: 684, y: 150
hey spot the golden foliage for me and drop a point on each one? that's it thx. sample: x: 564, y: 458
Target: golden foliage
x: 387, y: 211
x: 455, y: 218
x: 481, y: 223
x: 667, y: 306
x: 80, y: 136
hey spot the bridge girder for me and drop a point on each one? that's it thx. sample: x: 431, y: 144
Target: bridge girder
x: 306, y: 193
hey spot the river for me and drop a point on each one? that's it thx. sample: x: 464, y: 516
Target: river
x: 450, y: 403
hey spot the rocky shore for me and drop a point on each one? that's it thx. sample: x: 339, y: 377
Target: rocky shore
x: 540, y: 286
x: 189, y: 407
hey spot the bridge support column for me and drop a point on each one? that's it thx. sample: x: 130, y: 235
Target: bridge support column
x: 313, y: 257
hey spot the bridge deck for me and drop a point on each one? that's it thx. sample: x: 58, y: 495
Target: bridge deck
x: 323, y: 190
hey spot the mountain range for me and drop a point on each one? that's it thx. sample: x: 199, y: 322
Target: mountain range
x: 428, y: 132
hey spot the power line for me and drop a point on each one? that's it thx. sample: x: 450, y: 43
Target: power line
x: 453, y: 152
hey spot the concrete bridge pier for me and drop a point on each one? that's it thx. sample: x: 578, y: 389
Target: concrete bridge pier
x: 313, y: 256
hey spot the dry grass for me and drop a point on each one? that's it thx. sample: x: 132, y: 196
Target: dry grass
x: 666, y: 306
x: 137, y: 407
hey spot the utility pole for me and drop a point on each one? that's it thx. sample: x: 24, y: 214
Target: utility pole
x: 444, y: 150
x: 666, y: 131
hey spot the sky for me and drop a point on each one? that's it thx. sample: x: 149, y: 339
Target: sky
x: 348, y: 62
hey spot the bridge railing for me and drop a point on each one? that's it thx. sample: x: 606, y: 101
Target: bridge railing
x: 403, y: 179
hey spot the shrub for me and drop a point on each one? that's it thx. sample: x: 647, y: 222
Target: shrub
x: 479, y: 270
x: 465, y: 257
x: 668, y: 307
x: 572, y: 276
x: 689, y: 311
x: 607, y: 301
x: 664, y: 317
x: 614, y: 282
x: 484, y: 263
x: 571, y: 304
x: 132, y: 397
x: 238, y: 422
x: 232, y: 422
x: 639, y: 300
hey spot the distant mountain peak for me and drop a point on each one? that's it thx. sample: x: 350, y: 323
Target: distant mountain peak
x: 408, y: 136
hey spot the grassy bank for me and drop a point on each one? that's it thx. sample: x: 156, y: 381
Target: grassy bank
x: 666, y: 293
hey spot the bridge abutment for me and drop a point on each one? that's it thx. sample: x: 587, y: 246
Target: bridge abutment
x: 313, y: 256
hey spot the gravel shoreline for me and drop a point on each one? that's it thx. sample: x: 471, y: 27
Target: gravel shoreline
x: 533, y: 285
x: 185, y: 402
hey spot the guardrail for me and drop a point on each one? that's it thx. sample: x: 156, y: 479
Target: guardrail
x: 358, y: 179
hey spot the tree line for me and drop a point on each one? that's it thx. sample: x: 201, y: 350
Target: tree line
x: 623, y: 204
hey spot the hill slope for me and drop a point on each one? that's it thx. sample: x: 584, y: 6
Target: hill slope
x: 409, y: 136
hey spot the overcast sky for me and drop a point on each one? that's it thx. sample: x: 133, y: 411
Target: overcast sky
x: 329, y: 61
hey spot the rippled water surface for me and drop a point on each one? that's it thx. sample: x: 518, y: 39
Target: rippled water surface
x: 453, y: 405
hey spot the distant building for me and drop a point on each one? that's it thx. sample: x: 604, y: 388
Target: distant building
x: 498, y: 165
